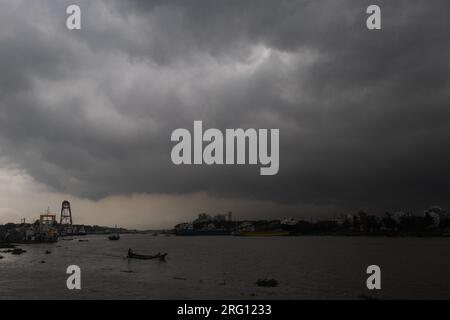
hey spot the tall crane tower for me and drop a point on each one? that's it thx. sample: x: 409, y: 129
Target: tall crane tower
x: 66, y: 214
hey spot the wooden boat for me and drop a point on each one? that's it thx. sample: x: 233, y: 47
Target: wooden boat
x: 160, y: 256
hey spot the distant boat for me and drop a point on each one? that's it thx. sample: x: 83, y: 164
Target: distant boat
x: 115, y: 235
x: 132, y: 255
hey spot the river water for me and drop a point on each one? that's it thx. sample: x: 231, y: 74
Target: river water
x: 227, y: 268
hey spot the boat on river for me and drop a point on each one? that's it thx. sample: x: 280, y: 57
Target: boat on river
x: 132, y: 255
x: 115, y: 235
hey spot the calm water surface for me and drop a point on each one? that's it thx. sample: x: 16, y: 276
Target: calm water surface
x: 228, y: 267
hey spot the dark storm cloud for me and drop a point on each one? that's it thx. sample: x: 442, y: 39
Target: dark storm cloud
x: 363, y: 115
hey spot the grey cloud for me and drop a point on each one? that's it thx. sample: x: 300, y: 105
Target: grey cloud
x: 363, y: 115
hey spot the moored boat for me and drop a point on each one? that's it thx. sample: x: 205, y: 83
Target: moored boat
x: 213, y: 232
x: 279, y: 233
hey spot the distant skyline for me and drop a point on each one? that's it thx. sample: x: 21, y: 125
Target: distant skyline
x: 86, y: 115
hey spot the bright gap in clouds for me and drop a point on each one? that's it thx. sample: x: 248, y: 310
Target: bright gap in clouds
x: 22, y: 197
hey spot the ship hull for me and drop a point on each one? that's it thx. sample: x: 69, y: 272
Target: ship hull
x: 202, y: 232
x: 263, y: 233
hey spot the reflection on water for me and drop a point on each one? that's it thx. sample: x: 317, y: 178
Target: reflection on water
x: 228, y: 267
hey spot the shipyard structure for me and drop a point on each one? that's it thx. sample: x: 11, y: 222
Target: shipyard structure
x: 45, y: 229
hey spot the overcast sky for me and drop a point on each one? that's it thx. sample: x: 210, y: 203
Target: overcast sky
x: 364, y: 116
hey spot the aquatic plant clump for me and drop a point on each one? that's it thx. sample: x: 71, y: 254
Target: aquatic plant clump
x: 267, y: 283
